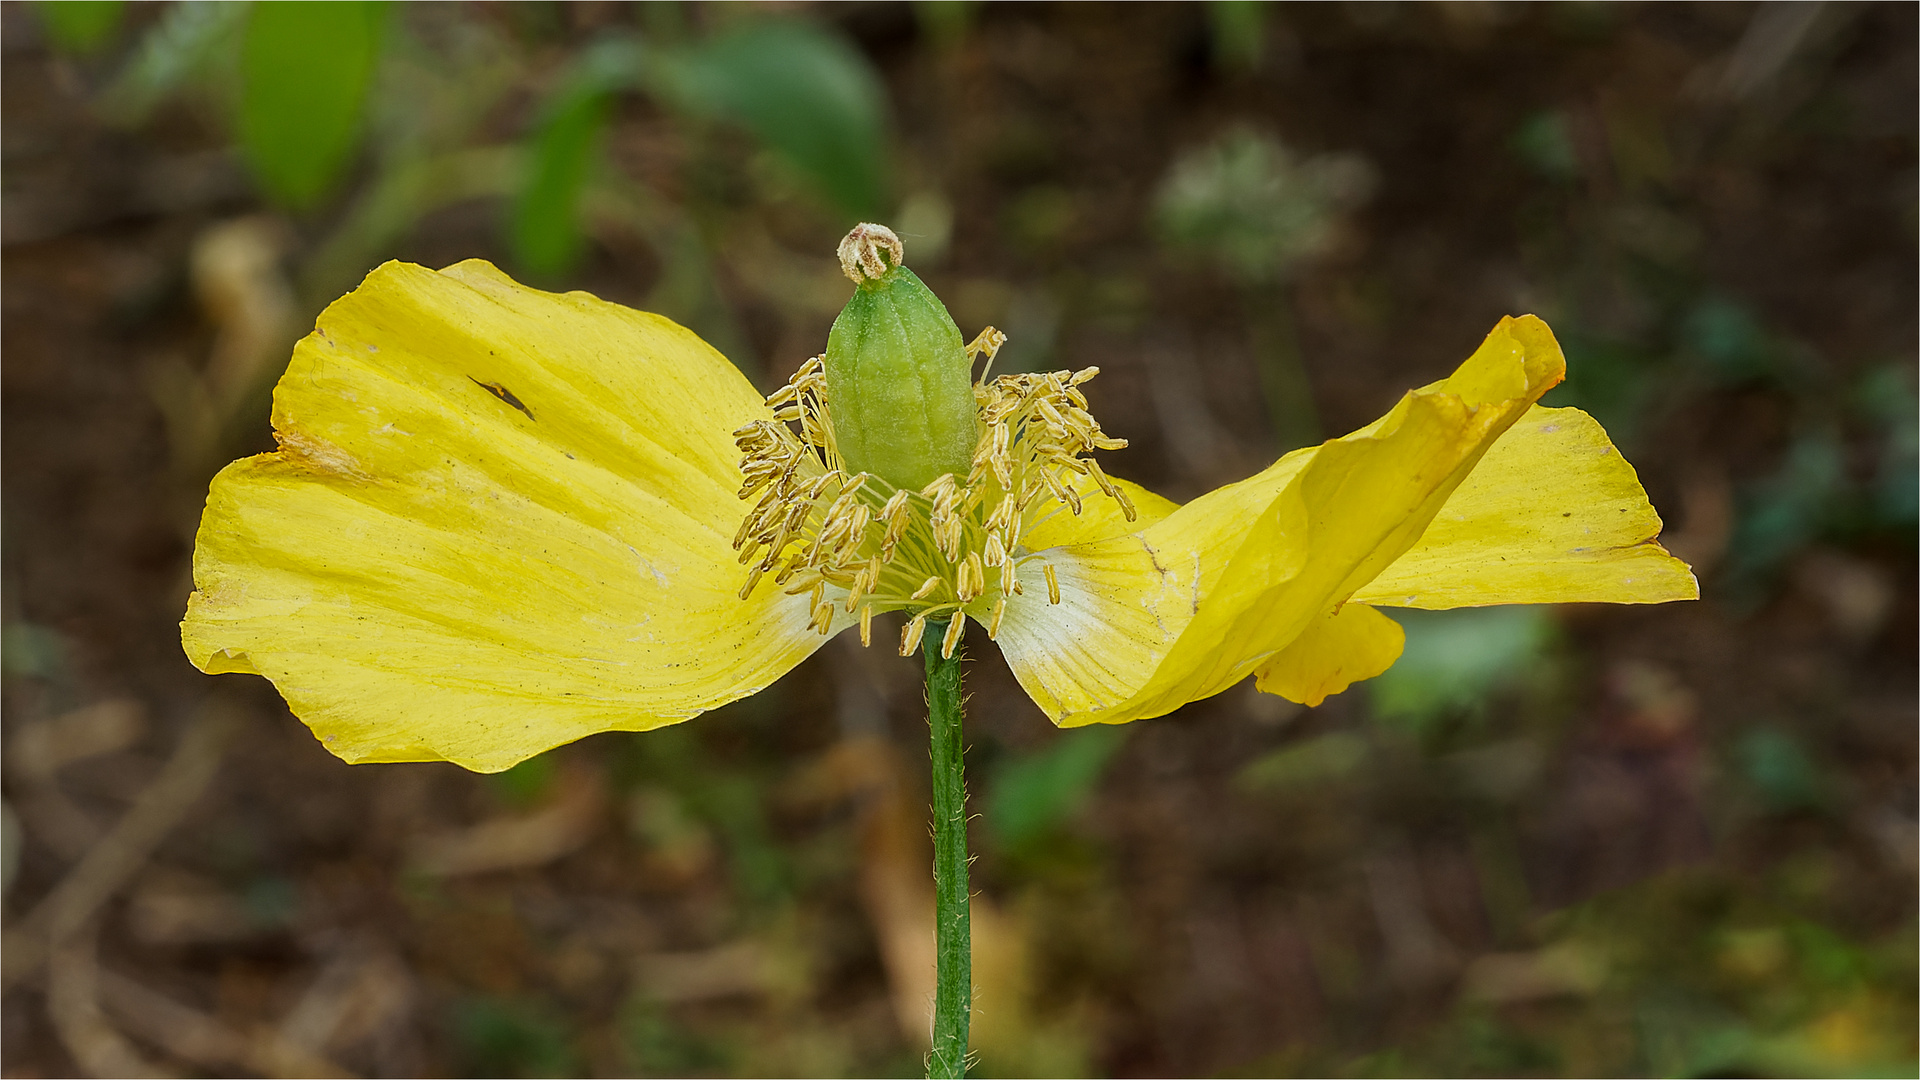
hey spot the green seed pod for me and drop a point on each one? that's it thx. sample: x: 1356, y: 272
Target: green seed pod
x: 899, y: 381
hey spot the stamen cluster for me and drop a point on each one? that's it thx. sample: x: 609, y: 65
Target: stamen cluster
x: 859, y: 541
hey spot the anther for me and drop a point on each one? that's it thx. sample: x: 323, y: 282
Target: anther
x: 910, y: 634
x: 996, y: 552
x: 954, y: 629
x: 987, y: 341
x: 1100, y: 477
x: 894, y: 504
x: 975, y: 576
x: 1053, y: 584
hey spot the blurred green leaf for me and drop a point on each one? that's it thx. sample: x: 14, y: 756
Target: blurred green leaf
x: 1616, y: 380
x: 1032, y: 794
x: 1787, y: 511
x: 1685, y: 1034
x: 188, y: 39
x: 305, y: 70
x: 1725, y: 334
x: 503, y: 1037
x: 1545, y: 144
x: 1886, y: 395
x: 546, y: 234
x: 946, y: 22
x: 806, y: 93
x: 525, y: 783
x: 29, y: 649
x: 80, y: 26
x: 1305, y: 763
x: 1239, y: 33
x: 655, y: 1042
x: 1453, y: 659
x: 1780, y: 770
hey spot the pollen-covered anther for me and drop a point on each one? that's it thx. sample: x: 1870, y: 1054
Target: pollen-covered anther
x: 952, y: 640
x: 910, y: 634
x: 987, y: 341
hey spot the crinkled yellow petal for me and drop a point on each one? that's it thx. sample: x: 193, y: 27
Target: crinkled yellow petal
x: 1198, y: 600
x: 1334, y: 652
x: 499, y: 520
x: 1552, y: 514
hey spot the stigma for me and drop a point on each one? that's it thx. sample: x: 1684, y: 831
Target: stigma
x: 950, y: 550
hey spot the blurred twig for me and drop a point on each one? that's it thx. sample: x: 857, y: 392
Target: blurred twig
x: 193, y: 1036
x: 36, y: 751
x: 73, y: 1003
x: 517, y: 841
x: 113, y: 861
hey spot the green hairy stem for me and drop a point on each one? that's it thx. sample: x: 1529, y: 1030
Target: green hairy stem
x: 953, y: 945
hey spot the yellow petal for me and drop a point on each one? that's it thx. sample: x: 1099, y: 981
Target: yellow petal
x: 1193, y: 603
x: 1552, y: 514
x: 499, y: 520
x: 1335, y: 651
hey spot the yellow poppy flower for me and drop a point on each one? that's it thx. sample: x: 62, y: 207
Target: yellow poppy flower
x: 501, y: 519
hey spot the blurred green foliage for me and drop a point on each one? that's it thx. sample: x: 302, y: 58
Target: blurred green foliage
x: 1780, y: 770
x: 725, y: 795
x: 1320, y: 759
x: 1544, y: 142
x: 512, y: 1037
x: 1239, y: 33
x: 546, y: 227
x: 1456, y: 660
x: 80, y: 26
x: 807, y: 94
x: 655, y: 1045
x: 526, y: 783
x: 30, y: 649
x: 1036, y: 792
x: 193, y: 41
x: 305, y: 69
x: 294, y: 81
